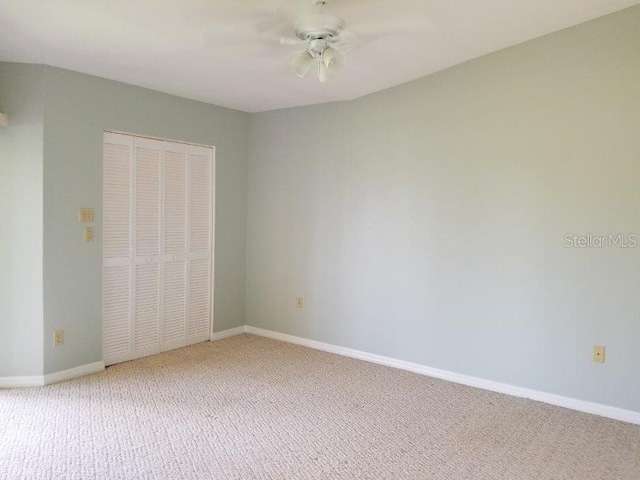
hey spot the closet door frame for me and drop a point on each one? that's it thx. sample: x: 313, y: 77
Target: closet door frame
x: 133, y: 141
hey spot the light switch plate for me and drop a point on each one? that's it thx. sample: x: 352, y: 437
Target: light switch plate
x: 86, y: 215
x: 88, y: 234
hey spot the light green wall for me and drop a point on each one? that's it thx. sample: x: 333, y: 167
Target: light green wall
x: 427, y: 222
x: 21, y: 221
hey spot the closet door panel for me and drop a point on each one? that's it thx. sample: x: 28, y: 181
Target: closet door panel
x: 199, y: 300
x: 174, y: 315
x: 147, y: 226
x: 175, y: 203
x: 200, y: 205
x: 117, y: 200
x: 200, y: 228
x: 116, y: 313
x: 147, y: 216
x: 147, y: 308
x: 117, y: 253
x: 175, y: 293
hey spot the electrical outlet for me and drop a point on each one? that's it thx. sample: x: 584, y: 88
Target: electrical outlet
x: 88, y: 234
x: 58, y: 338
x: 299, y: 302
x: 598, y: 354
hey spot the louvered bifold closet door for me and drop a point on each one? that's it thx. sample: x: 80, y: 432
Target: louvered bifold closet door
x: 158, y: 224
x: 200, y: 242
x: 117, y: 276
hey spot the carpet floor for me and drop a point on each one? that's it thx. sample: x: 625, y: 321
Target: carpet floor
x: 253, y: 408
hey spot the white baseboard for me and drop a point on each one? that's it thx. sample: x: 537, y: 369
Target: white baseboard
x: 19, y: 382
x: 40, y: 380
x: 232, y: 332
x: 550, y: 398
x: 75, y: 372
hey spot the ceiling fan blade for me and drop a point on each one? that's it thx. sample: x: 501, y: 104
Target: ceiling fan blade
x: 219, y: 39
x: 272, y: 23
x: 346, y: 42
x: 280, y: 17
x: 267, y: 23
x: 383, y: 8
x: 294, y: 41
x: 409, y: 23
x: 297, y: 8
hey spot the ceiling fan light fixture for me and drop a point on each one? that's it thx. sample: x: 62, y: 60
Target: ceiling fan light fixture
x: 323, y: 72
x: 301, y: 63
x: 332, y: 59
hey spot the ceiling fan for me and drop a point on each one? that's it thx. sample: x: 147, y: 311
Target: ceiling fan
x: 325, y: 43
x: 321, y: 37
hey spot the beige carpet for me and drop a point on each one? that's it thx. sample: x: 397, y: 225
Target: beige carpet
x: 249, y: 407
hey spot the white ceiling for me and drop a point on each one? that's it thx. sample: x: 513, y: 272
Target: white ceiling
x: 227, y: 52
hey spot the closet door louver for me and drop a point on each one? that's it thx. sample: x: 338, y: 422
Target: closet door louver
x: 158, y: 222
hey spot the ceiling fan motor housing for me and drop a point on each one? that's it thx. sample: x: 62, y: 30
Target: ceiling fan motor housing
x: 319, y: 26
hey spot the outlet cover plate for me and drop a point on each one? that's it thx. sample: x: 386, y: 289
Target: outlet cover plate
x: 58, y: 338
x: 598, y: 354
